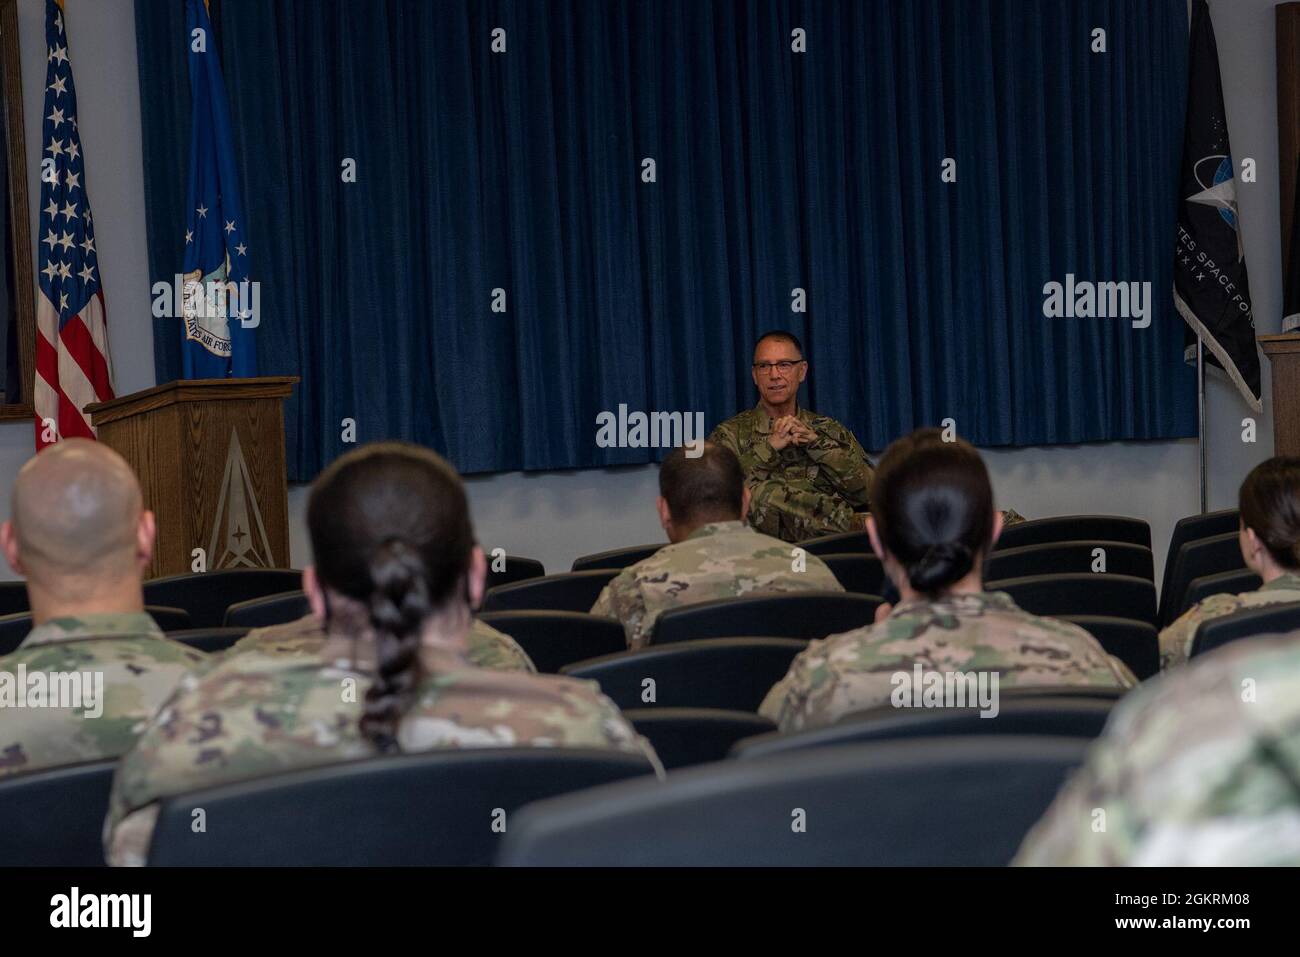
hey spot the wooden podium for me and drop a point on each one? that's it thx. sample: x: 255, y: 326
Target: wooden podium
x: 1283, y: 353
x: 210, y: 457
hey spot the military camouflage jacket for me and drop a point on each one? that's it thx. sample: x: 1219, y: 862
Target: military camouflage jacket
x: 252, y: 714
x: 983, y: 632
x: 119, y: 668
x: 1176, y: 640
x: 718, y: 560
x: 485, y: 647
x: 1198, y: 767
x: 799, y: 493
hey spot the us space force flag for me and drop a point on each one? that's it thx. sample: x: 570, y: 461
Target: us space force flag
x: 219, y: 302
x: 1211, y: 290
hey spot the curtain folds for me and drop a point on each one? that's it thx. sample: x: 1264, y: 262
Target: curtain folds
x: 522, y: 172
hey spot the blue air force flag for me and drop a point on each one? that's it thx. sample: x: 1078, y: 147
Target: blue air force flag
x: 219, y: 306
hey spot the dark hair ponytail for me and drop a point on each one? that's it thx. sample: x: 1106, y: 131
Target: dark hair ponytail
x: 1270, y: 505
x: 940, y: 565
x: 390, y: 529
x: 933, y: 506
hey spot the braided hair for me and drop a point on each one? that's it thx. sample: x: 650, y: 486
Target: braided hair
x: 390, y: 528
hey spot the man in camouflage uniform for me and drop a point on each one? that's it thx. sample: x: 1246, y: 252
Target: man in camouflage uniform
x: 1200, y: 767
x: 486, y: 647
x: 713, y: 554
x: 254, y: 713
x: 807, y: 474
x: 79, y: 534
x: 1176, y: 640
x: 959, y: 632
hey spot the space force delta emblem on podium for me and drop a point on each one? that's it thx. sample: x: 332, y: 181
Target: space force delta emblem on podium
x: 239, y: 538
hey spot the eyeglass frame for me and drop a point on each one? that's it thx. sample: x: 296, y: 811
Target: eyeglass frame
x: 763, y: 367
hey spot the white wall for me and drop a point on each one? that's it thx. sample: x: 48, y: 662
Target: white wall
x: 101, y: 39
x: 558, y: 515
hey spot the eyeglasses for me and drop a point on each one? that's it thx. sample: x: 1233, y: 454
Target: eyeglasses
x: 784, y: 366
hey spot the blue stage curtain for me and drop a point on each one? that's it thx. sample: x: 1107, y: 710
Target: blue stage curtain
x: 820, y: 170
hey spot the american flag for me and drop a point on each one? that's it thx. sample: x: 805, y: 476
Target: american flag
x: 73, y: 368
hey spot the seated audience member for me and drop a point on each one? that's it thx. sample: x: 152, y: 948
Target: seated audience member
x: 808, y: 474
x: 396, y: 575
x: 932, y: 522
x: 1269, y: 537
x: 485, y: 646
x: 79, y: 534
x: 713, y: 554
x: 1199, y: 767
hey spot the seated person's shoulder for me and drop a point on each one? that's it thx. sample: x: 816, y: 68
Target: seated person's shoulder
x: 304, y: 634
x: 1252, y: 684
x: 134, y: 649
x: 476, y: 705
x: 489, y: 648
x: 236, y: 679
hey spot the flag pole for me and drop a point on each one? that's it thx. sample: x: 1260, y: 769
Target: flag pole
x: 1200, y: 414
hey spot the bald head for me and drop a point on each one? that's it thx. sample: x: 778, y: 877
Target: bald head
x: 76, y: 512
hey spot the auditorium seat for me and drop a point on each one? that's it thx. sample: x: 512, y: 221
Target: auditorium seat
x: 1061, y: 714
x: 1089, y: 593
x: 263, y: 612
x: 1059, y: 558
x: 553, y: 639
x: 1191, y: 528
x: 55, y: 818
x: 13, y: 598
x: 209, y: 640
x: 939, y: 801
x: 1224, y: 583
x: 568, y: 591
x: 14, y: 628
x: 1196, y: 559
x: 792, y: 615
x: 857, y: 572
x: 688, y: 736
x: 1264, y: 621
x: 840, y: 543
x: 1072, y: 528
x: 733, y: 674
x: 1136, y: 643
x: 434, y: 808
x: 207, y: 595
x: 619, y: 558
x: 515, y: 569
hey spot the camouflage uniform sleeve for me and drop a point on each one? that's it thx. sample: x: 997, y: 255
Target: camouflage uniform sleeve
x: 1073, y: 833
x: 1166, y: 763
x: 1011, y: 517
x: 622, y: 599
x: 489, y: 648
x: 786, y: 704
x: 840, y: 456
x: 1176, y: 639
x: 623, y: 735
x: 725, y: 435
x: 127, y: 845
x: 794, y: 515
